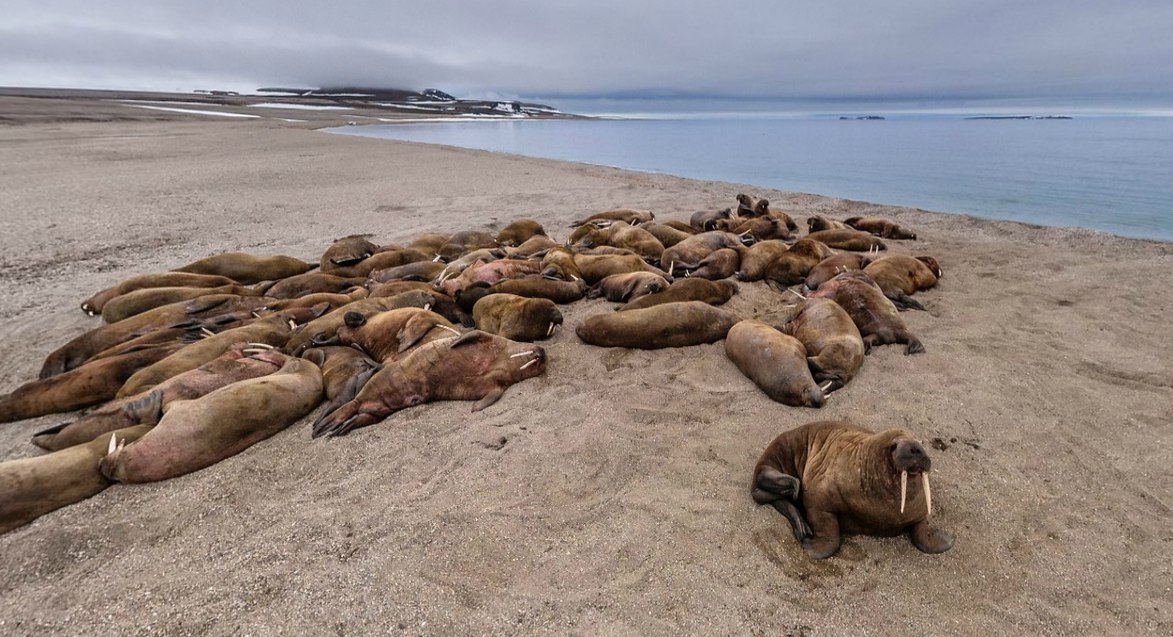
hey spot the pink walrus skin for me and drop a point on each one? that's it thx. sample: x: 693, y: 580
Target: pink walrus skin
x: 473, y: 366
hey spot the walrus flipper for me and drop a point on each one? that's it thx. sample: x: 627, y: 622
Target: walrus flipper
x: 929, y: 539
x: 825, y: 539
x: 906, y: 302
x: 780, y: 490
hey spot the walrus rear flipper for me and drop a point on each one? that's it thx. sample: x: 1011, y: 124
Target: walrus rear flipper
x: 779, y: 491
x: 914, y: 346
x: 906, y: 302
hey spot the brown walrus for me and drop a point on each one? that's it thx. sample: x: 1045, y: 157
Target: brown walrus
x: 96, y: 303
x: 834, y: 348
x: 793, y: 267
x: 519, y: 231
x: 272, y: 330
x: 761, y: 228
x: 139, y: 301
x: 593, y: 268
x: 833, y: 478
x: 762, y: 208
x: 659, y: 326
x: 621, y: 288
x: 473, y: 366
x: 81, y: 348
x: 687, y: 289
x: 382, y: 260
x: 848, y: 240
x: 195, y: 434
x: 346, y: 252
x: 833, y: 266
x: 84, y: 386
x: 689, y: 253
x: 517, y: 318
x: 710, y: 220
x: 901, y: 276
x: 720, y: 264
x: 533, y: 248
x: 489, y: 272
x: 539, y: 287
x: 386, y: 335
x: 417, y: 271
x: 321, y: 329
x: 312, y: 283
x: 667, y: 235
x: 621, y: 235
x: 32, y: 487
x: 756, y: 258
x: 876, y: 317
x: 345, y: 371
x: 628, y: 215
x: 775, y: 362
x: 879, y: 227
x: 466, y: 240
x: 239, y: 362
x: 247, y: 268
x: 817, y: 223
x: 429, y: 243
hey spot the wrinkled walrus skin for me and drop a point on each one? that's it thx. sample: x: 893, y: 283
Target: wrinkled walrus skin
x: 345, y: 371
x: 831, y: 478
x: 834, y: 347
x: 239, y: 362
x: 775, y: 362
x: 517, y: 318
x: 473, y: 366
x: 666, y: 325
x: 874, y: 314
x: 687, y: 289
x: 32, y: 487
x: 97, y: 303
x: 195, y: 434
x: 247, y: 268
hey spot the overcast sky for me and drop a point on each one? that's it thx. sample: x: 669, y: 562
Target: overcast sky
x: 1058, y: 50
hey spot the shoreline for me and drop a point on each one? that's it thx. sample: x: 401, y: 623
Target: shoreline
x: 619, y: 502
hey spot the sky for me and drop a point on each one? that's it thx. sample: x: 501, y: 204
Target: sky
x: 1112, y: 52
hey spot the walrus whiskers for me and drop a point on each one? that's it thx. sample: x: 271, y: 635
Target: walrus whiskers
x: 924, y: 477
x: 525, y: 353
x: 903, y: 488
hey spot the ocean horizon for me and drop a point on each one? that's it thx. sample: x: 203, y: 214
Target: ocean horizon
x: 1107, y: 173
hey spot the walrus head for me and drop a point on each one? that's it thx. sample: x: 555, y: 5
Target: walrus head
x: 933, y: 265
x: 908, y: 456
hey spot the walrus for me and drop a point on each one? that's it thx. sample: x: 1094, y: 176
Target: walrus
x: 516, y: 318
x: 81, y: 348
x: 833, y: 266
x: 745, y: 205
x: 594, y: 268
x: 32, y: 487
x: 96, y: 303
x: 816, y: 223
x: 707, y: 220
x: 239, y: 362
x: 873, y: 313
x: 272, y: 330
x: 490, y: 272
x: 831, y: 478
x: 247, y: 268
x: 345, y: 371
x: 322, y: 328
x: 132, y: 303
x: 532, y: 248
x: 880, y: 227
x: 466, y: 240
x: 792, y: 267
x: 762, y: 208
x: 667, y: 325
x: 473, y: 366
x: 539, y: 287
x: 429, y: 243
x: 757, y: 257
x: 848, y: 240
x: 346, y: 252
x: 762, y: 228
x: 688, y: 254
x: 393, y: 288
x: 417, y: 271
x: 720, y: 264
x: 775, y: 362
x: 386, y: 335
x: 834, y: 347
x: 621, y: 235
x: 665, y: 234
x: 382, y: 260
x: 621, y: 288
x: 901, y: 276
x: 519, y: 231
x: 558, y: 263
x: 686, y: 289
x: 627, y: 215
x: 455, y: 266
x: 312, y: 283
x: 84, y: 386
x: 195, y: 434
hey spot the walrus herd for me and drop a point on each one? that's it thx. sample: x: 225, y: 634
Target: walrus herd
x: 196, y: 364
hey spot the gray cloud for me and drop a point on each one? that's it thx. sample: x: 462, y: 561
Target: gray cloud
x: 836, y: 50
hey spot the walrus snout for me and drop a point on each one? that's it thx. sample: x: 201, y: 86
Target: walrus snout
x: 353, y: 319
x: 910, y: 456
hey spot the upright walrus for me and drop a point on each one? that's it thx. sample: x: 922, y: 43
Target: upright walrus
x: 659, y: 326
x: 32, y: 487
x: 473, y: 366
x: 194, y: 434
x: 830, y: 478
x: 775, y: 362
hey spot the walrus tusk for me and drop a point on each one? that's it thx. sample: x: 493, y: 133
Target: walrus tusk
x: 525, y: 353
x: 529, y: 363
x: 113, y: 444
x: 826, y: 385
x: 796, y: 294
x: 550, y: 330
x: 924, y: 478
x: 292, y: 324
x: 456, y: 332
x: 903, y: 488
x: 437, y: 258
x: 261, y: 345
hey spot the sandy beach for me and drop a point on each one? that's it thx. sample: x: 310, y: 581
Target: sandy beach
x: 609, y: 496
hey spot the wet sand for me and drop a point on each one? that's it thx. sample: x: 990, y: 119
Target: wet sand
x: 609, y: 496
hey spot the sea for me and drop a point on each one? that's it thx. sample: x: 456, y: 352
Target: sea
x: 1113, y: 174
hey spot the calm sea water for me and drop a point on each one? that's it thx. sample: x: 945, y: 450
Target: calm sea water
x: 1112, y: 174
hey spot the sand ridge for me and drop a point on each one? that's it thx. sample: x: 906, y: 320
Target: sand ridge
x: 611, y: 495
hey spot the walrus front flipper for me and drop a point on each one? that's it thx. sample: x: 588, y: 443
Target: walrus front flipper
x: 930, y: 539
x: 825, y: 539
